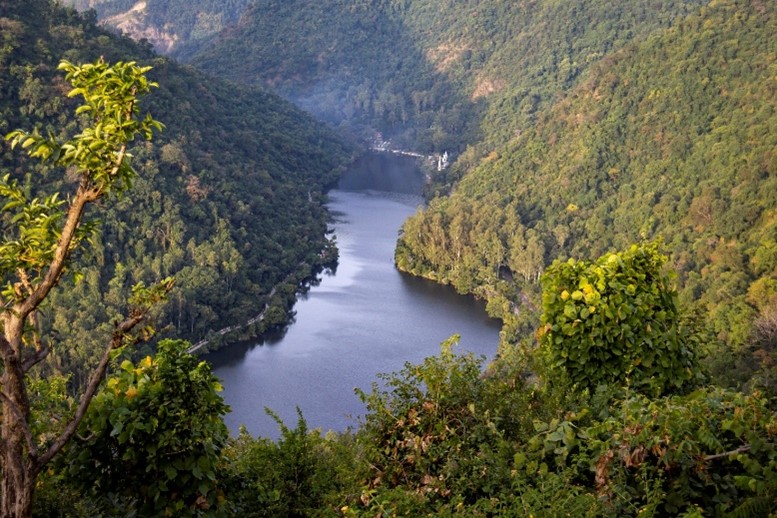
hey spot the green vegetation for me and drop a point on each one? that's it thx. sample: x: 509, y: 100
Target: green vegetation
x: 347, y: 62
x: 582, y: 128
x: 302, y: 474
x: 38, y: 241
x: 669, y: 137
x: 453, y: 436
x: 617, y: 322
x: 230, y: 202
x: 431, y: 74
x: 152, y: 438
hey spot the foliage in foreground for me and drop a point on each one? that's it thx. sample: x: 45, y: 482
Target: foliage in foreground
x: 301, y: 475
x: 40, y: 237
x: 616, y: 321
x: 613, y: 453
x: 153, y: 436
x: 515, y: 437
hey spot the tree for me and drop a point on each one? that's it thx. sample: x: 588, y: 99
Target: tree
x: 154, y: 435
x: 39, y: 238
x: 617, y: 320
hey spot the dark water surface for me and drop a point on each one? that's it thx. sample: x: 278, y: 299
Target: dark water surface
x: 365, y: 319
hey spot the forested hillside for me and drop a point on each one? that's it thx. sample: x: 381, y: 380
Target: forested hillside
x: 434, y: 75
x: 174, y: 27
x: 229, y: 200
x: 583, y: 127
x: 347, y: 62
x: 577, y: 127
x: 671, y: 137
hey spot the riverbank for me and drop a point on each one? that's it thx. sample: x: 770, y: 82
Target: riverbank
x: 278, y: 305
x: 364, y: 319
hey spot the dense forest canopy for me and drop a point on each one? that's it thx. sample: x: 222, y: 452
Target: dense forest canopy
x: 426, y: 73
x: 577, y: 127
x: 219, y: 205
x: 671, y: 137
x: 347, y: 62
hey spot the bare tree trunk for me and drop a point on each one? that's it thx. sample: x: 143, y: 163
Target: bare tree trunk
x: 21, y: 459
x: 18, y: 484
x: 18, y: 475
x: 20, y: 348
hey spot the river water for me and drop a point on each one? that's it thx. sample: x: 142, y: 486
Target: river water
x: 364, y: 319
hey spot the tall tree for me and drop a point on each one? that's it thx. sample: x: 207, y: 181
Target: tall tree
x: 39, y: 237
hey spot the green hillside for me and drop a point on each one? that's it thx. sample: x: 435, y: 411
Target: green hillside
x: 577, y: 127
x: 174, y: 27
x: 583, y: 128
x: 434, y: 75
x: 671, y: 137
x: 229, y: 200
x: 347, y: 62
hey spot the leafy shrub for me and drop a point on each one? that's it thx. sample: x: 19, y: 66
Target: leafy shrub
x: 617, y: 321
x: 153, y: 436
x: 300, y: 475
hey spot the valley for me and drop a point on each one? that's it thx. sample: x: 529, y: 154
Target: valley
x: 603, y: 224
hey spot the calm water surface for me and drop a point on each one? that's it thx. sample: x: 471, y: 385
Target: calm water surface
x: 365, y: 319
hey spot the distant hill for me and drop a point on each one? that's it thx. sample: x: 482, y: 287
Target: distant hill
x: 355, y: 63
x: 433, y: 74
x: 229, y: 199
x: 173, y: 27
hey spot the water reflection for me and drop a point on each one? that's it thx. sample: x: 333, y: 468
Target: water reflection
x: 364, y: 319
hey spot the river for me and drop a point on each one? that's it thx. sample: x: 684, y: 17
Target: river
x: 364, y: 319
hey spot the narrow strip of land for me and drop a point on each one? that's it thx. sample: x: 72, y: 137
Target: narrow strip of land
x: 258, y: 318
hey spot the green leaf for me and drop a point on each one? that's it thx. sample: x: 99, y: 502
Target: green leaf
x: 171, y: 472
x: 117, y: 428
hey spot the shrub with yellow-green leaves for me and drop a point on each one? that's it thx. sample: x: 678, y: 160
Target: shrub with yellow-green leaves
x: 617, y: 321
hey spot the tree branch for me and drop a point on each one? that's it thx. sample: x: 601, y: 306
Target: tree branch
x: 123, y: 150
x: 41, y: 350
x: 84, y: 195
x: 741, y: 449
x: 117, y: 339
x: 74, y: 214
x: 6, y: 351
x: 25, y: 280
x: 33, y: 360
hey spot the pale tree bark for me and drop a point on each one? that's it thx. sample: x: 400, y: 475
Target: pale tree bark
x: 21, y: 461
x: 109, y: 93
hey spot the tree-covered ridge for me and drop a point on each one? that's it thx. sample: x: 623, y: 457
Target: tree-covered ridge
x: 434, y: 75
x: 673, y: 137
x: 516, y: 58
x: 175, y: 27
x: 347, y: 62
x: 230, y: 202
